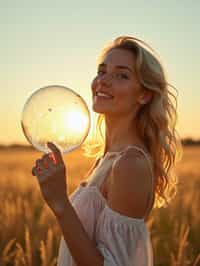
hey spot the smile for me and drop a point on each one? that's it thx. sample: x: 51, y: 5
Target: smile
x: 103, y: 95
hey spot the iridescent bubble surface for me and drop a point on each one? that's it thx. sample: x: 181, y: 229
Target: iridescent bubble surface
x: 56, y: 114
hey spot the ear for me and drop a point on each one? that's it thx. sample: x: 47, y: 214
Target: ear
x: 145, y: 97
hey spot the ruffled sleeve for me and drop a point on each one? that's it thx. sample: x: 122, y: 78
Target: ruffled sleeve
x: 122, y: 240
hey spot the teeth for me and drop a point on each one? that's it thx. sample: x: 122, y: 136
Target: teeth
x: 104, y: 95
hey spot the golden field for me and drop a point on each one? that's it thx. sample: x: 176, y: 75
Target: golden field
x: 29, y: 234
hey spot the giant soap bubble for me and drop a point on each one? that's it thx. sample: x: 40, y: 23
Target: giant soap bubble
x: 56, y: 114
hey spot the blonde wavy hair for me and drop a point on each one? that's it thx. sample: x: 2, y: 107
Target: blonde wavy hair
x: 156, y: 120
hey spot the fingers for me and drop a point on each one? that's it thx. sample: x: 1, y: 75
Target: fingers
x: 36, y: 171
x: 33, y: 171
x: 56, y: 152
x: 42, y: 165
x: 50, y: 164
x: 48, y: 159
x: 42, y: 176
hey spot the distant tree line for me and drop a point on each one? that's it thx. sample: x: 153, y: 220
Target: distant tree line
x: 185, y: 142
x: 190, y: 142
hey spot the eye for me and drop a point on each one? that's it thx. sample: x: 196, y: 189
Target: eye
x: 117, y: 75
x: 100, y: 72
x: 122, y: 75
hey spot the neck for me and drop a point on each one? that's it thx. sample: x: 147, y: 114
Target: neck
x: 120, y: 133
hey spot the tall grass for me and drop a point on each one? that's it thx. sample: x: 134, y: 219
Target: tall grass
x: 29, y: 233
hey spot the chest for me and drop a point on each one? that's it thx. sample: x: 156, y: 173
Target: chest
x: 103, y: 178
x: 105, y: 186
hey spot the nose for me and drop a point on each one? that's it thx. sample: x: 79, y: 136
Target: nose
x: 105, y: 79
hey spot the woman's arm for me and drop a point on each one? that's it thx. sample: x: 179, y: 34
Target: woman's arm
x: 51, y: 175
x: 82, y: 248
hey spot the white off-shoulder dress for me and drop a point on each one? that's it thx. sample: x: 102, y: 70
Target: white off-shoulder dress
x: 122, y: 240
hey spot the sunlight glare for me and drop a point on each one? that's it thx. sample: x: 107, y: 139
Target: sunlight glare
x: 75, y: 120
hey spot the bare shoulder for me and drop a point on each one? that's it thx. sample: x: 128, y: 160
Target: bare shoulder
x: 131, y: 184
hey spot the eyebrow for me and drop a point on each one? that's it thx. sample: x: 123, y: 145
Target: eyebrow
x: 118, y: 66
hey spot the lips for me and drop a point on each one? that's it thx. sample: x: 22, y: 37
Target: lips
x: 104, y: 94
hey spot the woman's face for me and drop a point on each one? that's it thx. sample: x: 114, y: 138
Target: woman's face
x: 116, y: 89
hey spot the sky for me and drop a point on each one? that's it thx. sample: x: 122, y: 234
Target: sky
x: 57, y: 42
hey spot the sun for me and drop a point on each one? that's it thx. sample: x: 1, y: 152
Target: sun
x: 75, y: 121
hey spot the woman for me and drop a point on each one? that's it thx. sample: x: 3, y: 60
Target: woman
x: 104, y: 221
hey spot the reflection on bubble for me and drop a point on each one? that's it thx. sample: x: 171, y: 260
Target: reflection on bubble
x: 56, y: 114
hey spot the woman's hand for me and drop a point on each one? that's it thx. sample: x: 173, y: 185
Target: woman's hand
x: 51, y: 175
